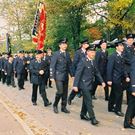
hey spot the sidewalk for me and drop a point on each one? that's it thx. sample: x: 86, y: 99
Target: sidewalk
x: 8, y: 124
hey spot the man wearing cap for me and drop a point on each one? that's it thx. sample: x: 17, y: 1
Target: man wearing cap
x: 85, y: 75
x: 3, y: 62
x: 130, y: 112
x: 9, y: 71
x: 128, y: 54
x: 30, y: 58
x: 101, y: 59
x: 19, y: 68
x: 38, y: 69
x: 60, y: 68
x: 79, y: 54
x: 116, y: 75
x: 49, y: 57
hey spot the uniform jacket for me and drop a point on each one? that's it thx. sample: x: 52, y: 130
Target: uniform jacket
x: 20, y: 65
x: 35, y: 67
x: 116, y: 71
x: 132, y: 74
x: 79, y: 54
x: 8, y: 68
x: 85, y: 74
x: 101, y: 59
x: 60, y: 66
x: 128, y: 54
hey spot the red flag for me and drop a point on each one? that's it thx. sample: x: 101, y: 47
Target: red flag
x: 39, y: 31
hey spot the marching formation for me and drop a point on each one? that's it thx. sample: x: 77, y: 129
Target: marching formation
x: 89, y: 68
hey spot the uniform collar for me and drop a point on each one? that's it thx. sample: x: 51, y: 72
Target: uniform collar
x: 119, y: 53
x: 83, y: 50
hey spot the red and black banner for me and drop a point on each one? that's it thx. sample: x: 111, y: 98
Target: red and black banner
x: 39, y: 29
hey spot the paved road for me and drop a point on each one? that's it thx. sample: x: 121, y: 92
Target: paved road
x: 8, y: 124
x: 42, y: 121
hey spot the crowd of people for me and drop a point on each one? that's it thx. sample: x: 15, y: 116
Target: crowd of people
x: 89, y: 68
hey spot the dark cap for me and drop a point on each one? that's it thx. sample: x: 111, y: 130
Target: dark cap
x: 130, y: 36
x: 64, y: 40
x: 102, y: 41
x: 21, y: 51
x: 91, y: 48
x: 84, y: 41
x: 45, y: 51
x: 38, y: 52
x: 119, y: 42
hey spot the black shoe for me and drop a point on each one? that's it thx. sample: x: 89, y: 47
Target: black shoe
x: 119, y: 114
x: 69, y: 101
x: 55, y: 109
x: 94, y: 97
x: 84, y: 117
x: 34, y: 103
x: 13, y: 86
x: 65, y: 110
x: 111, y: 110
x: 50, y: 87
x: 106, y: 99
x: 47, y: 104
x: 94, y: 121
x: 127, y: 125
x: 23, y: 88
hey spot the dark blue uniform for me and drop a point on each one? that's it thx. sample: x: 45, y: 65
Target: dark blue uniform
x: 101, y: 59
x: 79, y: 55
x: 116, y: 73
x: 4, y: 76
x: 38, y: 80
x: 130, y: 112
x: 9, y: 71
x: 19, y: 68
x: 47, y: 75
x: 60, y: 68
x: 28, y: 65
x: 84, y: 78
x: 128, y: 54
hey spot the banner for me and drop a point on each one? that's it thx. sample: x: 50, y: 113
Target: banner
x: 8, y: 44
x: 39, y: 29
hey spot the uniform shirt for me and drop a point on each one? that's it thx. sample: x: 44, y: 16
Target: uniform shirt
x: 86, y: 73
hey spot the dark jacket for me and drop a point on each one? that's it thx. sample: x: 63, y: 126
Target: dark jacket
x: 8, y: 68
x: 85, y: 74
x: 132, y: 74
x: 128, y: 54
x: 60, y: 66
x: 35, y: 67
x: 20, y: 65
x: 79, y: 54
x: 101, y: 59
x: 116, y: 71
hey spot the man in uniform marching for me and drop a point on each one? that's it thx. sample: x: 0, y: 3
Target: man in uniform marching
x: 79, y: 55
x: 38, y: 68
x: 101, y: 59
x: 116, y: 77
x: 60, y: 68
x: 19, y: 68
x: 85, y: 75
